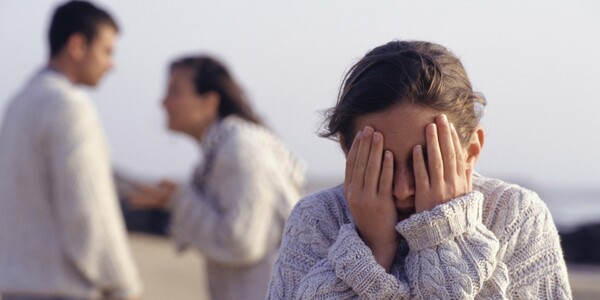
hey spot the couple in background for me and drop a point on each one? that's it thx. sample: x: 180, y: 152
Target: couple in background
x: 62, y: 234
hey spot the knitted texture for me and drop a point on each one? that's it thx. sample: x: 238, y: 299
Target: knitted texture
x: 235, y: 208
x: 61, y: 231
x: 497, y: 242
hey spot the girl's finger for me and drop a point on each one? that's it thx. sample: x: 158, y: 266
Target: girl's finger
x: 387, y: 175
x: 351, y: 157
x: 373, y: 168
x: 446, y: 147
x: 422, y: 185
x: 362, y: 157
x: 460, y: 160
x: 434, y: 155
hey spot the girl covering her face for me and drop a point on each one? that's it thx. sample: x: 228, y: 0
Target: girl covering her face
x: 413, y: 220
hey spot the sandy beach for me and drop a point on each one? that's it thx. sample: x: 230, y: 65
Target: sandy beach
x: 171, y: 275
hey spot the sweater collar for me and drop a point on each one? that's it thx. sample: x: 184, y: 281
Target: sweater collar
x: 211, y: 135
x: 55, y: 74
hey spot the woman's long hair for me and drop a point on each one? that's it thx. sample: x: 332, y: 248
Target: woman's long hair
x: 210, y: 75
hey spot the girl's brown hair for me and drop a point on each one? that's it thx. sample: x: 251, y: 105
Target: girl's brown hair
x: 415, y: 72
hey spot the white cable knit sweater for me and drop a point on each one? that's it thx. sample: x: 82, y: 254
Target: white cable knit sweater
x: 235, y: 208
x: 497, y: 242
x: 61, y: 230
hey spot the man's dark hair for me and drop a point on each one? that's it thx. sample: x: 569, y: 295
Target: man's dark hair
x: 76, y: 17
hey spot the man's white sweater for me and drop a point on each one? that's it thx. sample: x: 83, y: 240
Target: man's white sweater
x: 61, y: 231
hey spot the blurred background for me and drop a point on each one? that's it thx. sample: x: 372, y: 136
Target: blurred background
x: 537, y: 63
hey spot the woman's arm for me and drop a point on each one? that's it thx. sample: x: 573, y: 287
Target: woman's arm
x: 232, y: 220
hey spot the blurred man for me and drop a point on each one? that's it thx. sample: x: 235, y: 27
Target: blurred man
x: 61, y: 231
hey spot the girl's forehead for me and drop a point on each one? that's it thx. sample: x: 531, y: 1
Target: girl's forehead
x: 398, y: 119
x: 402, y: 127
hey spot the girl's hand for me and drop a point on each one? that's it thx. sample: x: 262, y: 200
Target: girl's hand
x: 444, y: 176
x: 150, y: 196
x: 368, y: 188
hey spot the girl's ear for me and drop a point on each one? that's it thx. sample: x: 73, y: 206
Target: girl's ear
x: 474, y: 147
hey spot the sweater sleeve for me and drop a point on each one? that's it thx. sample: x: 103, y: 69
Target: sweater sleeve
x: 452, y: 254
x: 84, y: 198
x: 532, y: 251
x: 515, y: 254
x: 232, y: 223
x: 319, y: 259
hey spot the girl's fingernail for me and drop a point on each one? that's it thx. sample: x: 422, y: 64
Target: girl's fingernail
x: 376, y: 136
x: 443, y: 119
x: 432, y: 128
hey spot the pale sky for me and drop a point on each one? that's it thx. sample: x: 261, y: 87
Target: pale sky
x: 538, y: 64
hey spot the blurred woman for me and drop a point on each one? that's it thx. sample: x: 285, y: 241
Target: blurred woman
x: 234, y: 209
x: 413, y: 220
